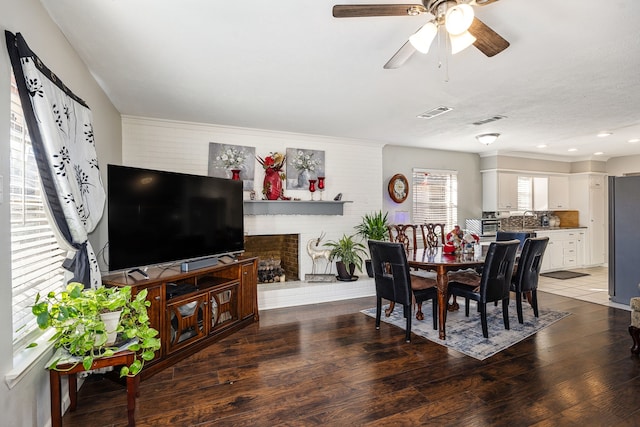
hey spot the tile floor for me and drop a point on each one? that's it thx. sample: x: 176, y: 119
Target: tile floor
x: 592, y: 288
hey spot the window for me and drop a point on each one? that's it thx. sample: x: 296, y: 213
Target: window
x: 435, y: 196
x: 36, y: 258
x: 525, y: 193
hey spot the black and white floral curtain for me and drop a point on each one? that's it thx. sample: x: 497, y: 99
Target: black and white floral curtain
x: 61, y: 130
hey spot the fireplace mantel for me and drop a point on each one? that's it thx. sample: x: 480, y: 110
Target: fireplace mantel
x: 294, y: 207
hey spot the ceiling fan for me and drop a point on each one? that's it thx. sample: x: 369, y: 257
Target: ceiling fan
x: 456, y: 16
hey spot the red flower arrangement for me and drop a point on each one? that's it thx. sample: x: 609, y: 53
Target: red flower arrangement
x: 274, y: 161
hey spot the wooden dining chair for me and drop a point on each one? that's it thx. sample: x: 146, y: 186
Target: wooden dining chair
x: 394, y: 282
x: 433, y: 234
x: 495, y: 282
x: 525, y: 278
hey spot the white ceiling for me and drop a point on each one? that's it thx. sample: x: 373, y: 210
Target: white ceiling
x: 572, y: 70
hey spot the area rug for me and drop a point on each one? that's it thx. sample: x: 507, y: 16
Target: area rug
x: 563, y: 274
x: 464, y: 334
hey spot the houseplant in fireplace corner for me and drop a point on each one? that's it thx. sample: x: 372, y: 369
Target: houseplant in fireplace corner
x: 350, y: 253
x: 373, y: 227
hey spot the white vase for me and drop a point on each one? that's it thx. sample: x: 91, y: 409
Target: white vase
x: 303, y: 179
x: 111, y: 321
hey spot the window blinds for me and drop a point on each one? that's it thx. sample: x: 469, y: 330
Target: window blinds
x: 435, y: 196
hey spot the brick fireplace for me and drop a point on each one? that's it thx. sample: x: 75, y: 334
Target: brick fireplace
x: 271, y: 250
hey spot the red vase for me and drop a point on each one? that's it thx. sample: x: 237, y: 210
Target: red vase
x: 272, y: 185
x: 235, y: 174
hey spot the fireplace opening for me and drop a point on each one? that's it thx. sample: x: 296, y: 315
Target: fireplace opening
x: 277, y: 256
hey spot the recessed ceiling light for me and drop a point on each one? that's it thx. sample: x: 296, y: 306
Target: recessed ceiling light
x: 634, y: 140
x: 541, y: 146
x: 572, y: 149
x: 604, y: 134
x: 599, y: 153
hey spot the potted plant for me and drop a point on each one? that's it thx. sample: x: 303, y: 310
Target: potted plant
x: 77, y: 316
x: 373, y: 227
x: 350, y: 254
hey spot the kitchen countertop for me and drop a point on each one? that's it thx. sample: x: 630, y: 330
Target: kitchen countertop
x: 534, y: 229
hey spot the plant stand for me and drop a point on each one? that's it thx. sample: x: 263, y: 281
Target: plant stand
x: 70, y: 368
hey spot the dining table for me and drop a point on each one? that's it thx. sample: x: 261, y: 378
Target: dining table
x: 435, y: 259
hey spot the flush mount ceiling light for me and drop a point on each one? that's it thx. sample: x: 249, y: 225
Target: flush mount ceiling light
x: 487, y: 138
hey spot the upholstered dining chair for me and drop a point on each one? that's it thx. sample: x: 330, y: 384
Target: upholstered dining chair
x: 521, y: 236
x: 525, y: 278
x: 394, y: 283
x: 407, y: 234
x: 495, y: 282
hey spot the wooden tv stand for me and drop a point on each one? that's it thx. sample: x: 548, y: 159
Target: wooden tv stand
x: 192, y: 309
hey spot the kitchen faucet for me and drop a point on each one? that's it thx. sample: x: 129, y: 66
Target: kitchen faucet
x: 524, y: 214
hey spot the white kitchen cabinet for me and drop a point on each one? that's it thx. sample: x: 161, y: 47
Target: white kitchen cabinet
x: 558, y: 192
x: 587, y: 196
x: 499, y: 191
x: 564, y: 250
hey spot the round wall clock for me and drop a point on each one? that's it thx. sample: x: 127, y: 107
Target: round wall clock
x: 398, y: 188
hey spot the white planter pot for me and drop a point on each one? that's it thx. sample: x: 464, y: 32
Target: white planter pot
x: 111, y: 321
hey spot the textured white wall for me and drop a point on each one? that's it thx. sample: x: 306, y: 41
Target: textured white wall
x: 353, y: 168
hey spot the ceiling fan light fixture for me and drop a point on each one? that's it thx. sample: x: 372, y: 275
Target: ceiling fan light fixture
x: 460, y: 42
x: 421, y: 40
x: 487, y: 138
x: 458, y: 19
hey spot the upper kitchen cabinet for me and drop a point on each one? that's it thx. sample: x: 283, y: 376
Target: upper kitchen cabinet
x: 499, y: 191
x: 558, y: 192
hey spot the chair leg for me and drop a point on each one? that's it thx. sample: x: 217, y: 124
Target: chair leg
x: 419, y: 314
x: 534, y: 302
x: 466, y: 307
x: 505, y: 312
x: 519, y: 306
x: 378, y: 311
x: 435, y: 312
x: 483, y: 319
x: 407, y: 314
x: 388, y: 311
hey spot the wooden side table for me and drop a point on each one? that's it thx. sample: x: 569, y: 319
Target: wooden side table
x: 71, y: 369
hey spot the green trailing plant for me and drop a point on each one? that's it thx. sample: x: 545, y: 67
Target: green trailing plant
x: 75, y: 315
x: 347, y: 250
x: 373, y: 226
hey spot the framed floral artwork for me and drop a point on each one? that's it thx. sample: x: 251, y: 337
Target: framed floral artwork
x: 303, y: 165
x: 224, y: 158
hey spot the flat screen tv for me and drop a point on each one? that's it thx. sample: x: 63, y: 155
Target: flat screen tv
x: 157, y: 217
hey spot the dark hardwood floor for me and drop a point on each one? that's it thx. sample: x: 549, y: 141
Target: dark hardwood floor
x: 326, y: 364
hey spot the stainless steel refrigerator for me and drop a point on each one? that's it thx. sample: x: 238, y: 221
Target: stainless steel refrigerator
x: 624, y: 238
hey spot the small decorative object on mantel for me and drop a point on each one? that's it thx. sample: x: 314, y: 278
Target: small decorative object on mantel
x: 321, y: 185
x: 312, y: 187
x: 398, y: 188
x: 338, y: 197
x: 232, y: 161
x: 272, y: 185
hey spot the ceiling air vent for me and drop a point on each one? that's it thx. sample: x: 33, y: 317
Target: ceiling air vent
x: 489, y: 120
x: 435, y: 112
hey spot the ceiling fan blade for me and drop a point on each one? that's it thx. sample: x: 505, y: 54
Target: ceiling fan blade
x: 401, y: 56
x: 487, y: 41
x: 360, y: 10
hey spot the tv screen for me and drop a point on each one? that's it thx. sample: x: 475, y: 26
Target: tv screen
x: 158, y: 217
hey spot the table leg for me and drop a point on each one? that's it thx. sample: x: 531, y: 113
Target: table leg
x: 442, y: 282
x: 132, y: 392
x: 56, y: 410
x: 73, y: 391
